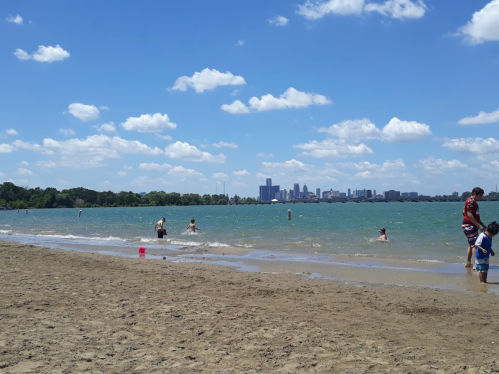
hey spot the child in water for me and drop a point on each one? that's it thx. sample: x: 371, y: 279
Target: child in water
x: 383, y: 237
x: 484, y: 250
x: 192, y: 227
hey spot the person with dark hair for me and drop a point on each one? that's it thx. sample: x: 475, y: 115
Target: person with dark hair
x: 159, y: 226
x: 382, y: 237
x: 484, y: 250
x: 192, y: 226
x: 471, y: 222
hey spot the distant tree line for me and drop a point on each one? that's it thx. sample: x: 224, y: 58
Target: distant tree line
x: 17, y: 197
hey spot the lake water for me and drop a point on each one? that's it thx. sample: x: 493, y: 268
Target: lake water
x: 418, y: 232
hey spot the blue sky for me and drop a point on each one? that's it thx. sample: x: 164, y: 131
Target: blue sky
x: 185, y: 96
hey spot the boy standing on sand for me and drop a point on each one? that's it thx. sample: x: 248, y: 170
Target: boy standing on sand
x: 471, y: 222
x: 484, y: 250
x: 192, y: 227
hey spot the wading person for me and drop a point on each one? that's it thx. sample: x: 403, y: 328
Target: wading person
x: 472, y: 222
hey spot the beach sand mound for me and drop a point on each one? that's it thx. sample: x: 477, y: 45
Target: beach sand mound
x: 69, y: 312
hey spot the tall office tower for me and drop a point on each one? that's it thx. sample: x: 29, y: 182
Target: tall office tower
x: 305, y: 190
x: 374, y: 193
x: 368, y: 194
x: 296, y: 189
x: 264, y: 193
x: 349, y: 193
x: 269, y: 182
x: 291, y: 194
x: 318, y: 192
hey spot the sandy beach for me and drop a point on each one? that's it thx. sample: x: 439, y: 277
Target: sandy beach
x: 72, y: 312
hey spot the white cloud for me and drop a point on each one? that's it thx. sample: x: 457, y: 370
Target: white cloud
x: 290, y: 166
x: 6, y: 148
x: 220, y: 176
x: 2, y: 174
x: 121, y: 173
x: 67, y: 132
x: 319, y: 9
x: 240, y: 43
x: 11, y: 132
x: 388, y: 165
x: 264, y: 155
x: 224, y: 144
x: 181, y: 172
x: 23, y: 171
x: 494, y: 165
x: 89, y: 152
x: 25, y: 163
x: 17, y: 19
x: 292, y: 98
x: 473, y: 145
x: 481, y: 118
x: 145, y: 181
x: 355, y: 130
x: 106, y: 127
x: 152, y: 166
x: 404, y: 131
x: 189, y: 152
x: 46, y: 164
x: 104, y: 107
x: 44, y: 54
x: 164, y: 137
x: 483, y: 25
x: 398, y: 9
x: 237, y: 107
x: 333, y: 148
x: 241, y: 173
x: 84, y: 112
x: 239, y: 184
x: 207, y: 79
x: 279, y: 21
x: 436, y: 165
x: 148, y: 123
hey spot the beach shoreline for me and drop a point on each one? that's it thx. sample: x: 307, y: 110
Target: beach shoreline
x: 67, y: 311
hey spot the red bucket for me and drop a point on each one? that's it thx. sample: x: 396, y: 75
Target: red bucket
x: 142, y: 250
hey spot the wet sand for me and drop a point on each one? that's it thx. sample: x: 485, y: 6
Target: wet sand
x: 72, y: 312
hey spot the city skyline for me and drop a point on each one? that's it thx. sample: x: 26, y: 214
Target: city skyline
x: 183, y: 97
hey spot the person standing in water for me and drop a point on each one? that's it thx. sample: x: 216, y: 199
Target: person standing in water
x: 159, y: 226
x: 79, y: 213
x: 472, y: 222
x: 192, y: 227
x: 289, y: 214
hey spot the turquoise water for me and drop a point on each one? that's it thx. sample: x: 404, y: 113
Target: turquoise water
x: 416, y: 231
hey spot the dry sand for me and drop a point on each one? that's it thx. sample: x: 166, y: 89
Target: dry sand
x: 71, y: 312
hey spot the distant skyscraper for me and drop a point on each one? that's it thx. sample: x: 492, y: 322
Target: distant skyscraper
x: 296, y: 190
x: 269, y: 182
x: 305, y: 190
x: 318, y: 192
x: 267, y: 192
x: 349, y: 195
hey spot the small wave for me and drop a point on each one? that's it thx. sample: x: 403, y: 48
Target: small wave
x: 217, y: 244
x: 429, y: 261
x: 9, y: 232
x: 187, y: 244
x: 244, y: 245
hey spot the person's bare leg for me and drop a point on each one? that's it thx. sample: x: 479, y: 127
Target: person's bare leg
x: 483, y: 277
x: 473, y: 253
x: 468, y: 257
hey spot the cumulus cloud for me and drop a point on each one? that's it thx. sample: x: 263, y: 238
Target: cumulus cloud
x: 93, y: 150
x: 225, y: 144
x: 106, y: 127
x: 241, y: 173
x: 181, y: 172
x: 279, y: 21
x: 473, y: 145
x: 23, y: 171
x: 437, y: 165
x: 17, y: 19
x: 398, y: 9
x: 44, y: 54
x: 6, y: 148
x: 152, y: 166
x: 11, y: 132
x: 483, y: 25
x: 291, y: 166
x: 356, y: 130
x: 292, y: 98
x: 46, y: 164
x: 318, y: 9
x: 240, y: 43
x: 148, y: 123
x: 333, y: 148
x: 237, y: 107
x: 264, y: 155
x: 220, y: 176
x: 403, y: 131
x: 481, y: 118
x: 67, y: 132
x: 207, y: 79
x: 187, y: 152
x: 84, y: 112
